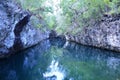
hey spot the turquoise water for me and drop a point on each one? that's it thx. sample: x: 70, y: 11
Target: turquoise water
x: 57, y: 60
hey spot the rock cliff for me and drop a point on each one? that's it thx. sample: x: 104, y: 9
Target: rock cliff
x: 103, y: 34
x: 16, y: 29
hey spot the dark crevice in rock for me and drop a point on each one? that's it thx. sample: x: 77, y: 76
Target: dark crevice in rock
x: 19, y: 26
x: 52, y: 34
x: 18, y: 36
x: 110, y: 18
x: 18, y: 29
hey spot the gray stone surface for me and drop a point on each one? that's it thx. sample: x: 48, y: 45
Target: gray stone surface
x: 16, y: 29
x: 105, y: 34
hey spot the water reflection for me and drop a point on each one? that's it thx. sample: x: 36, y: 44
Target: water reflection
x: 55, y: 60
x: 54, y: 72
x: 113, y: 63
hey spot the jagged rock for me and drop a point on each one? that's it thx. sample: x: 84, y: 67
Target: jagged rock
x: 16, y: 29
x: 105, y: 34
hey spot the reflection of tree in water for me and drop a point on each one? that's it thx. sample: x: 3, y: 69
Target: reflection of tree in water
x: 54, y: 60
x: 84, y: 63
x: 28, y: 65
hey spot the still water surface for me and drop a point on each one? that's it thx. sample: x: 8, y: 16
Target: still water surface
x: 57, y: 60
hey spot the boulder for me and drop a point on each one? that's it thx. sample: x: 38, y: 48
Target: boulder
x: 16, y: 29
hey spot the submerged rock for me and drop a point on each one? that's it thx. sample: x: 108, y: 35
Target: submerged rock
x: 16, y: 29
x: 105, y: 34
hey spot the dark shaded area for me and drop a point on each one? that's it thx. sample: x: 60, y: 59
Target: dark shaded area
x: 53, y: 34
x: 18, y: 45
x: 20, y: 25
x: 58, y: 41
x: 20, y: 66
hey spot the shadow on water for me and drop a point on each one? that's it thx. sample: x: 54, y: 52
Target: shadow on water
x: 60, y: 60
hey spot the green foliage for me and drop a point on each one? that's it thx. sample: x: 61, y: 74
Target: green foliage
x: 50, y: 21
x: 42, y: 13
x: 82, y: 12
x: 71, y: 15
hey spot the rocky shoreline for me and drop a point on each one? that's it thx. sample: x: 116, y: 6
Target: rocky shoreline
x: 105, y: 34
x: 18, y: 33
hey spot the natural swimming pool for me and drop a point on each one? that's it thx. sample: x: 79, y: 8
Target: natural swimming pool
x: 60, y: 60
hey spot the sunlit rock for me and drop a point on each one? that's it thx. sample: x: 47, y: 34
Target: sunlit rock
x: 104, y: 34
x: 16, y: 29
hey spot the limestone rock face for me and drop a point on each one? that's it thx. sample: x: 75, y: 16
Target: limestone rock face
x: 104, y: 34
x: 16, y: 29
